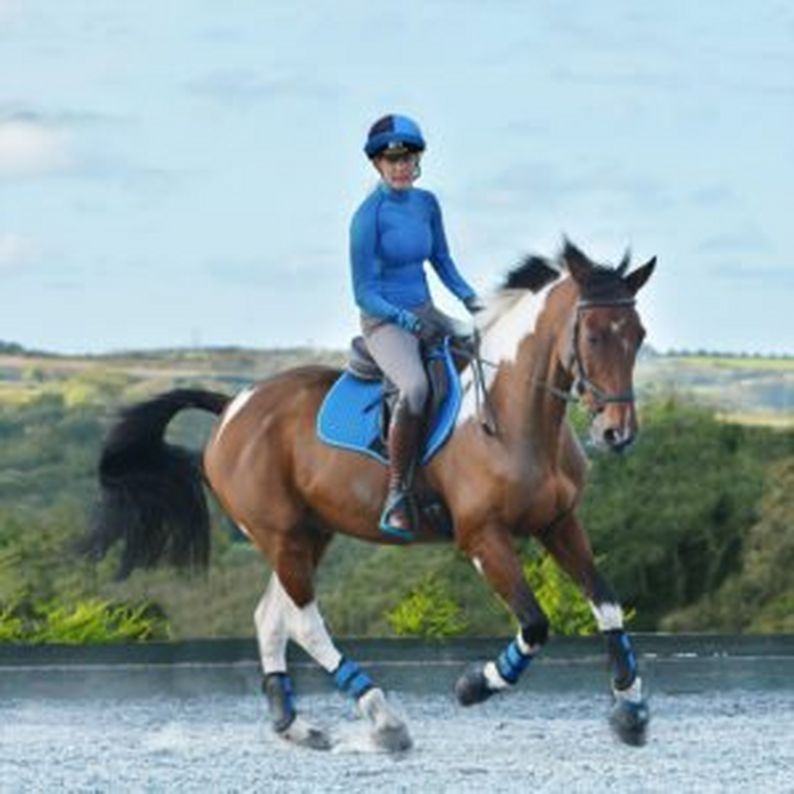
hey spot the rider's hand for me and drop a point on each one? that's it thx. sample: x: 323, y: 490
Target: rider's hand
x: 410, y: 322
x: 474, y: 304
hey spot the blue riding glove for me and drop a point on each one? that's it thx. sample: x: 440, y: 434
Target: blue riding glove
x: 409, y: 322
x: 474, y: 304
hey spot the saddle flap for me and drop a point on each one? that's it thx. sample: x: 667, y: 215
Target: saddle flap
x: 350, y: 417
x: 360, y: 362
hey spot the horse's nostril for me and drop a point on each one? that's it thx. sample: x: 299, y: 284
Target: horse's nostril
x: 617, y: 441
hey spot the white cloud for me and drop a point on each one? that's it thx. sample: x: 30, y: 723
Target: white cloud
x: 14, y: 250
x: 30, y: 149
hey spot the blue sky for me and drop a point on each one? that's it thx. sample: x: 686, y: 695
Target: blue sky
x: 176, y: 172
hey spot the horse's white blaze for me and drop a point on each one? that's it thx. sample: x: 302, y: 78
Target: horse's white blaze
x: 608, y: 616
x: 234, y: 407
x: 508, y: 320
x: 278, y: 617
x: 477, y: 563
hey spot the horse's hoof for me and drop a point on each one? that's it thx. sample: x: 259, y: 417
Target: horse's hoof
x: 304, y: 734
x: 389, y: 732
x: 629, y: 721
x: 472, y: 686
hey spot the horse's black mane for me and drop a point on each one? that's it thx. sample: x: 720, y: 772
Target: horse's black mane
x: 532, y: 273
x: 535, y: 272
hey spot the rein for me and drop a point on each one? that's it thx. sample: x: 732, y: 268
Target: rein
x: 581, y: 383
x: 482, y: 400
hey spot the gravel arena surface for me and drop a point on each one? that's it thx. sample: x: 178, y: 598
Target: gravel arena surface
x: 718, y: 724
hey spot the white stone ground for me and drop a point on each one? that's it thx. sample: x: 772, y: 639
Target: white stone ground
x: 737, y: 740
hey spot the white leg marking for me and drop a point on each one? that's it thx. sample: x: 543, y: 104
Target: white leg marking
x: 305, y: 626
x: 278, y: 618
x: 608, y: 616
x: 632, y: 694
x: 494, y: 677
x: 234, y: 408
x: 271, y: 630
x: 524, y: 647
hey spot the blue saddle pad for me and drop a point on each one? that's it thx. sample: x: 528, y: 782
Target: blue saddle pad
x: 350, y: 414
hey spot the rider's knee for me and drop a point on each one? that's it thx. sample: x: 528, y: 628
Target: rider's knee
x: 416, y: 395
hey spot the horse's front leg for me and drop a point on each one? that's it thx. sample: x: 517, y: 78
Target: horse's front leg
x: 494, y: 555
x: 569, y: 545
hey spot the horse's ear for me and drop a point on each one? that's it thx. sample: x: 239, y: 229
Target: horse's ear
x: 579, y: 266
x: 624, y: 263
x: 636, y: 279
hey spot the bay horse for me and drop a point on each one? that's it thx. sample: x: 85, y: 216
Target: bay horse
x: 289, y: 493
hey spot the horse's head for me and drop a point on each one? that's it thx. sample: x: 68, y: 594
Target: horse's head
x: 601, y: 348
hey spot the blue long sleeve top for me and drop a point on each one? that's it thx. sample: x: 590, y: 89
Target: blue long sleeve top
x: 392, y: 234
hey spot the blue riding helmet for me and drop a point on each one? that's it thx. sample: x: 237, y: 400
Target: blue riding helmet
x: 394, y: 132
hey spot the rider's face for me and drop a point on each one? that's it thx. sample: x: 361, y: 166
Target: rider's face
x: 399, y: 171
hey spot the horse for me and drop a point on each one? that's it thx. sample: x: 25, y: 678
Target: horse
x: 543, y: 342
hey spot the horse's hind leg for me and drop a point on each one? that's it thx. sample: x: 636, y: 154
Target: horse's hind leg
x: 271, y: 631
x: 297, y: 616
x: 570, y: 547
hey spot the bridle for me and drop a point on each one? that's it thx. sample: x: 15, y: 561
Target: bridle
x: 582, y: 381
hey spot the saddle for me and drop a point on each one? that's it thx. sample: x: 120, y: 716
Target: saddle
x: 355, y: 414
x: 363, y: 366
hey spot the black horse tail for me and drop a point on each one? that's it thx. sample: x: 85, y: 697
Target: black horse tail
x: 151, y: 495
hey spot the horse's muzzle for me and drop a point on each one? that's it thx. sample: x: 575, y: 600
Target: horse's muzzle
x: 614, y: 428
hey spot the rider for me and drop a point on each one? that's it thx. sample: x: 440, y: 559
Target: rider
x: 393, y: 232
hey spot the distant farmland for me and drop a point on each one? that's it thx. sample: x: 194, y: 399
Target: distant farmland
x: 743, y: 388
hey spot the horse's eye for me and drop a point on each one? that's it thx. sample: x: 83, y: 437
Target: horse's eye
x: 592, y: 339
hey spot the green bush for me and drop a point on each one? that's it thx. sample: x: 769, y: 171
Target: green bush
x: 428, y: 611
x: 89, y: 622
x: 562, y: 601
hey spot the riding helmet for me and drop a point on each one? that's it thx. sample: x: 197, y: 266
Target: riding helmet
x: 396, y: 133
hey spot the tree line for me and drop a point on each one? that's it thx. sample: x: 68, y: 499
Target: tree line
x: 694, y: 528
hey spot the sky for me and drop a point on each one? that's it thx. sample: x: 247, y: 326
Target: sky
x: 182, y: 172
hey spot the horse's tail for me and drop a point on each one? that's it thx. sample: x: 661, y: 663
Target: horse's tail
x: 151, y: 495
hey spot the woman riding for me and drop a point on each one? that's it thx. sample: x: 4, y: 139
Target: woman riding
x: 395, y: 230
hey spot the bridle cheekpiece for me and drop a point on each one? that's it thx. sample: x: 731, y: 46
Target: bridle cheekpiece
x: 582, y: 382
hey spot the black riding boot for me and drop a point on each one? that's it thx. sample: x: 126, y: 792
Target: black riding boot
x: 405, y: 435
